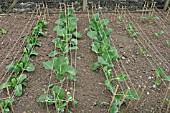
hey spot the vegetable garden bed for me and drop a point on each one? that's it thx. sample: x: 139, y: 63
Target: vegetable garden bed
x: 136, y: 75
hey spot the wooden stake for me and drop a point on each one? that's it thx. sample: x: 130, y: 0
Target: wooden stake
x: 95, y: 7
x: 40, y: 12
x: 166, y: 3
x: 131, y: 100
x: 72, y: 5
x: 113, y: 97
x: 44, y: 8
x: 168, y: 107
x: 167, y: 14
x: 66, y: 92
x: 47, y: 9
x: 73, y: 99
x: 150, y: 13
x: 92, y: 8
x: 124, y: 97
x: 143, y: 10
x: 36, y: 5
x: 1, y: 109
x: 46, y: 101
x: 60, y: 7
x: 47, y: 106
x: 164, y: 99
x: 116, y: 8
x: 12, y: 108
x: 55, y: 100
x: 84, y: 5
x: 139, y: 98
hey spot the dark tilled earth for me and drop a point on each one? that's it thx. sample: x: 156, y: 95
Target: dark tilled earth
x: 90, y: 88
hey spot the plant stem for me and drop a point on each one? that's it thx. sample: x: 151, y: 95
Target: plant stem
x: 164, y: 99
x: 55, y: 102
x: 124, y: 97
x: 113, y: 97
x: 12, y: 108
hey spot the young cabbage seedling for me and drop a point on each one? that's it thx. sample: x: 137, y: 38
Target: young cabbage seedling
x: 159, y: 72
x: 150, y: 18
x: 143, y: 51
x: 168, y: 43
x: 5, y: 105
x: 33, y: 41
x: 15, y: 83
x: 60, y: 66
x: 101, y: 104
x: 119, y: 19
x: 132, y: 30
x: 23, y: 65
x: 29, y: 51
x: 168, y: 99
x: 57, y: 97
x: 38, y: 28
x: 159, y: 34
x: 3, y: 31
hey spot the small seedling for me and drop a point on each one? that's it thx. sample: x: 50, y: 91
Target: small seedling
x: 29, y: 51
x: 57, y: 97
x: 150, y: 18
x: 159, y: 72
x: 121, y: 77
x: 101, y: 104
x: 23, y: 65
x: 115, y: 106
x: 168, y: 43
x: 3, y: 31
x: 15, y: 83
x: 156, y: 18
x: 38, y: 28
x: 159, y: 33
x: 119, y: 19
x: 33, y: 41
x: 144, y: 17
x: 5, y: 105
x: 168, y: 99
x: 132, y: 30
x: 60, y: 66
x: 143, y: 51
x: 166, y: 78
